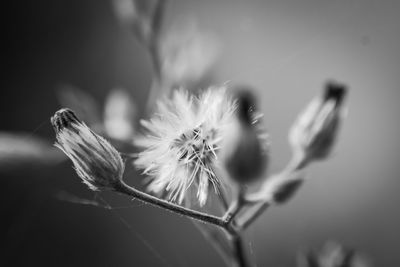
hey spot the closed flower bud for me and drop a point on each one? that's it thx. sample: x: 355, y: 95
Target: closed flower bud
x: 96, y: 161
x: 245, y: 149
x: 313, y: 134
x: 332, y: 255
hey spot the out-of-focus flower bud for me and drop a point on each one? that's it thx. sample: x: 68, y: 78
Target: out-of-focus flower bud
x: 97, y: 163
x: 119, y: 115
x: 245, y: 149
x: 332, y: 255
x: 313, y: 134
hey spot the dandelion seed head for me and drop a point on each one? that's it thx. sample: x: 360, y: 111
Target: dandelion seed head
x: 182, y: 143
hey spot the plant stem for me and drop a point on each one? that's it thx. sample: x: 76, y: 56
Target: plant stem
x: 233, y: 233
x: 251, y: 217
x: 239, y: 251
x: 296, y: 164
x: 236, y: 206
x: 200, y: 216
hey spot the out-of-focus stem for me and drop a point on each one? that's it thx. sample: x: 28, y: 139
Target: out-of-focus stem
x: 239, y: 251
x: 297, y: 163
x: 154, y: 53
x: 251, y: 217
x: 235, y: 208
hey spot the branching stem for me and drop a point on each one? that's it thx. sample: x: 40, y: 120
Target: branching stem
x: 146, y: 198
x: 232, y: 232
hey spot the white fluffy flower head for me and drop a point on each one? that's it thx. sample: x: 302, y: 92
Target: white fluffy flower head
x: 182, y: 143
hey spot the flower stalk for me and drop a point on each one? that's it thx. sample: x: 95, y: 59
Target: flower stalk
x: 193, y: 154
x: 192, y: 136
x: 178, y: 209
x: 233, y: 233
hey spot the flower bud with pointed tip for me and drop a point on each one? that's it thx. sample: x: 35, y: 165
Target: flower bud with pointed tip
x: 96, y: 161
x: 314, y: 133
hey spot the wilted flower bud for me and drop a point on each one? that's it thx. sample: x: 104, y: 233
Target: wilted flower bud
x: 313, y: 134
x: 245, y: 149
x: 95, y: 160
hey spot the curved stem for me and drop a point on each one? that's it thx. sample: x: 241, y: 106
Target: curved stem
x: 200, y: 216
x: 232, y: 232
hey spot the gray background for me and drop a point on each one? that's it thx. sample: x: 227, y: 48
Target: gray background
x: 286, y: 50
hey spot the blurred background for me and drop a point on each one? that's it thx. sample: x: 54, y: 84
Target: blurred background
x: 285, y: 49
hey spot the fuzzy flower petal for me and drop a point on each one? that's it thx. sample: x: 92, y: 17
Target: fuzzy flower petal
x: 182, y: 143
